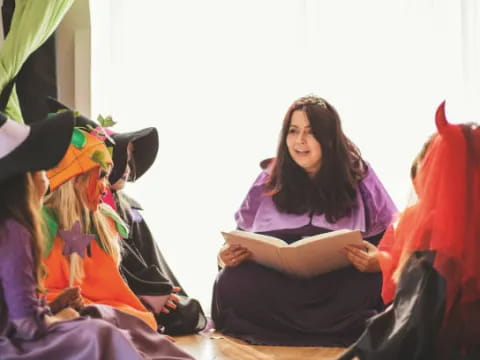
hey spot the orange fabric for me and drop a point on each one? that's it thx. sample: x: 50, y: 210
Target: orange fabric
x: 102, y: 283
x: 78, y: 161
x: 386, y: 264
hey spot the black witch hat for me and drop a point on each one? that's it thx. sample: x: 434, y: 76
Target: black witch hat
x: 35, y: 147
x: 145, y: 144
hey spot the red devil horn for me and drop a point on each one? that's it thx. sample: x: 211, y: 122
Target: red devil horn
x: 440, y: 118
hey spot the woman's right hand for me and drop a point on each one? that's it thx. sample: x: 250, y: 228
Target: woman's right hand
x: 233, y: 255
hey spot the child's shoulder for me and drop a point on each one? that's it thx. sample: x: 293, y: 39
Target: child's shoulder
x: 13, y: 233
x: 12, y: 224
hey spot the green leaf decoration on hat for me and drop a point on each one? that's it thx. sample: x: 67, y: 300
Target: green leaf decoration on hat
x: 78, y: 138
x: 52, y: 114
x: 105, y: 122
x: 99, y: 158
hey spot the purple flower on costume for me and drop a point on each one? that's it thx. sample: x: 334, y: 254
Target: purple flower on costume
x: 75, y: 240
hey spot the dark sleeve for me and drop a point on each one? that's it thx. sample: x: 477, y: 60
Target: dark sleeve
x: 18, y: 282
x: 409, y: 328
x: 375, y: 239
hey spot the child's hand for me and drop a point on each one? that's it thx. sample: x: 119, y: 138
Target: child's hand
x: 67, y: 314
x: 172, y: 301
x: 70, y: 297
x: 63, y: 315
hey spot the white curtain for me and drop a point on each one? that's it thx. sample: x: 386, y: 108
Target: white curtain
x: 216, y: 77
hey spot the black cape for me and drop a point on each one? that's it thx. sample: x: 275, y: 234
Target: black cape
x: 409, y: 328
x: 147, y: 273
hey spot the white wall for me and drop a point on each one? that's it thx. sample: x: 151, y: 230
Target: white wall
x: 74, y: 57
x: 217, y: 76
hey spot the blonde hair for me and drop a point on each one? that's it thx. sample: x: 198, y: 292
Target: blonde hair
x: 70, y: 203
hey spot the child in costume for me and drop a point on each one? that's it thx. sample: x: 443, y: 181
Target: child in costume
x: 77, y: 220
x: 143, y: 265
x: 433, y: 258
x: 28, y: 330
x: 317, y: 183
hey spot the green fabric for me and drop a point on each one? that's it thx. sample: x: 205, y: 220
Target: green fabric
x: 50, y: 218
x: 122, y: 228
x: 78, y: 138
x: 32, y: 24
x: 51, y: 228
x: 99, y: 157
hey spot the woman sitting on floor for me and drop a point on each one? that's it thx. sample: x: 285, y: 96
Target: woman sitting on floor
x: 317, y: 183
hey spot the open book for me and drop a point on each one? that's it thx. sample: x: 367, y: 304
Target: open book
x: 310, y: 256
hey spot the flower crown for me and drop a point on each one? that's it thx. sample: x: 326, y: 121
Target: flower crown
x: 310, y: 100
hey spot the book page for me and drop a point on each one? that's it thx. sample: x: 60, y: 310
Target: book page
x: 313, y: 238
x: 264, y: 248
x: 319, y: 254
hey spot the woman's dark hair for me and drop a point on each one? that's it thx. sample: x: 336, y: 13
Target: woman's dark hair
x: 332, y: 190
x: 18, y: 202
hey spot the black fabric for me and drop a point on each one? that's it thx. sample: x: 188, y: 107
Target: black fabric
x: 3, y: 119
x: 36, y: 80
x: 188, y: 318
x: 5, y: 95
x: 409, y: 328
x: 145, y: 143
x: 147, y: 272
x: 51, y: 136
x: 8, y: 7
x: 145, y: 149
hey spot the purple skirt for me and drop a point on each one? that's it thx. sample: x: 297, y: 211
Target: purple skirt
x: 265, y: 307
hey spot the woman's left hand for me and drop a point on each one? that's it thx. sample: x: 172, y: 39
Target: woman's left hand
x: 363, y: 257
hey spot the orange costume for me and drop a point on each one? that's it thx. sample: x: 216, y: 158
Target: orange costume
x: 102, y: 282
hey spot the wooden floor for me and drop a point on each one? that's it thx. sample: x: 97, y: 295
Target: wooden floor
x: 215, y: 346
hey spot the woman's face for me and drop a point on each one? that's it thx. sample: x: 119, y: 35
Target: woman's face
x: 97, y: 185
x: 41, y: 183
x: 304, y: 149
